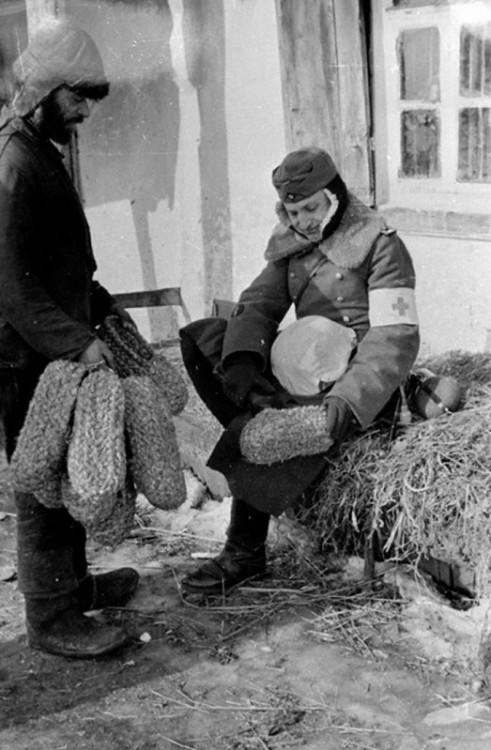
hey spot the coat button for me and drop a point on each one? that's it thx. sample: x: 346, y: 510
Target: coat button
x: 292, y: 275
x: 340, y: 299
x: 346, y: 318
x: 339, y: 275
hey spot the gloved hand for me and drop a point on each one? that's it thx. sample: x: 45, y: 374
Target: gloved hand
x: 339, y: 417
x: 241, y: 376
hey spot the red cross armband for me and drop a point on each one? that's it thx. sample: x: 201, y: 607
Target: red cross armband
x: 390, y: 307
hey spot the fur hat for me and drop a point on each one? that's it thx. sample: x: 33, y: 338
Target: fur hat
x: 302, y: 173
x: 59, y: 54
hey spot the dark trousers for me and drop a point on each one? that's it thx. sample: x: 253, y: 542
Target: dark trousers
x: 50, y: 543
x: 270, y: 489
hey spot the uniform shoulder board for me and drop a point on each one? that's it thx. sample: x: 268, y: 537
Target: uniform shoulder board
x: 387, y: 230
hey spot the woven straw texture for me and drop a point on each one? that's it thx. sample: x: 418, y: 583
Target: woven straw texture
x: 39, y: 458
x: 169, y: 382
x: 96, y: 454
x: 276, y: 435
x: 134, y: 356
x: 108, y: 528
x: 118, y: 525
x: 153, y: 453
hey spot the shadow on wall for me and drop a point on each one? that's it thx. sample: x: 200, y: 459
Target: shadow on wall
x: 130, y: 143
x: 134, y: 136
x: 130, y: 146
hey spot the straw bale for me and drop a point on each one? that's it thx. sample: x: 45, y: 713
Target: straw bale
x: 133, y: 355
x: 426, y: 493
x: 154, y: 458
x: 39, y: 457
x: 276, y: 435
x: 96, y: 460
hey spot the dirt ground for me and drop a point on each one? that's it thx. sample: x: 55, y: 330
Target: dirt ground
x: 311, y: 657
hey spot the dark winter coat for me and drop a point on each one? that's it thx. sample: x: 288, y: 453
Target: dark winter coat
x: 49, y: 303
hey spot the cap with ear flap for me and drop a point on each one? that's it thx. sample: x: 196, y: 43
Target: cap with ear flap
x: 59, y: 53
x: 302, y: 173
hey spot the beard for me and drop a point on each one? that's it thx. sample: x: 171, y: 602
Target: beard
x: 53, y: 124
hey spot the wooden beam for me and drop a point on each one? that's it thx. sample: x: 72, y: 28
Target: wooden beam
x: 151, y: 298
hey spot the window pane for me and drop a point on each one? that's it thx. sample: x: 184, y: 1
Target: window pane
x: 419, y: 63
x: 420, y: 143
x: 474, y: 145
x: 475, y: 60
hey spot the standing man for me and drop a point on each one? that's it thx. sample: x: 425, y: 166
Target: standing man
x: 49, y: 308
x: 351, y: 281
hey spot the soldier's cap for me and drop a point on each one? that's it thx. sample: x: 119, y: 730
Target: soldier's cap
x: 58, y: 54
x: 302, y: 173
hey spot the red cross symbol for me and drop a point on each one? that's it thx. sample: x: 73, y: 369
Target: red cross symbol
x: 401, y: 306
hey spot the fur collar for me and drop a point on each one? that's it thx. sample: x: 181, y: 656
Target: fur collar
x: 348, y: 246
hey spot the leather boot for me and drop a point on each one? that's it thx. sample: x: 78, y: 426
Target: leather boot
x: 58, y: 627
x: 242, y: 559
x: 112, y: 589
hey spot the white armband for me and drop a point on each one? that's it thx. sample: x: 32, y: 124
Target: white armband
x: 389, y: 307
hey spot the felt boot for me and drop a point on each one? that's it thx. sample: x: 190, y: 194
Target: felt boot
x: 112, y: 589
x: 242, y: 559
x: 58, y: 627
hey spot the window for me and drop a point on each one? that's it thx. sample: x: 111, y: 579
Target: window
x: 437, y: 71
x: 418, y: 58
x: 474, y: 121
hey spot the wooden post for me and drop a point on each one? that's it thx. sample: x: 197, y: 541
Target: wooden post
x: 325, y: 84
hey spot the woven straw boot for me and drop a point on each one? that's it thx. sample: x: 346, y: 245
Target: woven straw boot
x: 242, y: 559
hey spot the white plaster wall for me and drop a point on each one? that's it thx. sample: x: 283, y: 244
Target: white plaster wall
x: 453, y: 275
x: 255, y: 130
x: 453, y: 279
x: 255, y: 142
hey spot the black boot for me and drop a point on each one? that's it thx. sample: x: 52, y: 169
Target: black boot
x: 112, y: 589
x: 242, y: 559
x: 58, y: 627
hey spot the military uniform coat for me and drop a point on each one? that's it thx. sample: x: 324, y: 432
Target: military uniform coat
x: 362, y: 277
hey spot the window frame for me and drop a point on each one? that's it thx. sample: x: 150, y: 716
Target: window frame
x: 446, y: 192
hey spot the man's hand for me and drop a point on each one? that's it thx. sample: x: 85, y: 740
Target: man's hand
x: 241, y: 376
x: 339, y: 417
x: 120, y: 311
x: 97, y: 353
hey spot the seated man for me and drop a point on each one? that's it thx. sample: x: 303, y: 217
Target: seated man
x: 331, y: 257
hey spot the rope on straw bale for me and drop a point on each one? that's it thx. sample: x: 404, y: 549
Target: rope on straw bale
x: 134, y: 356
x: 40, y: 454
x: 427, y: 493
